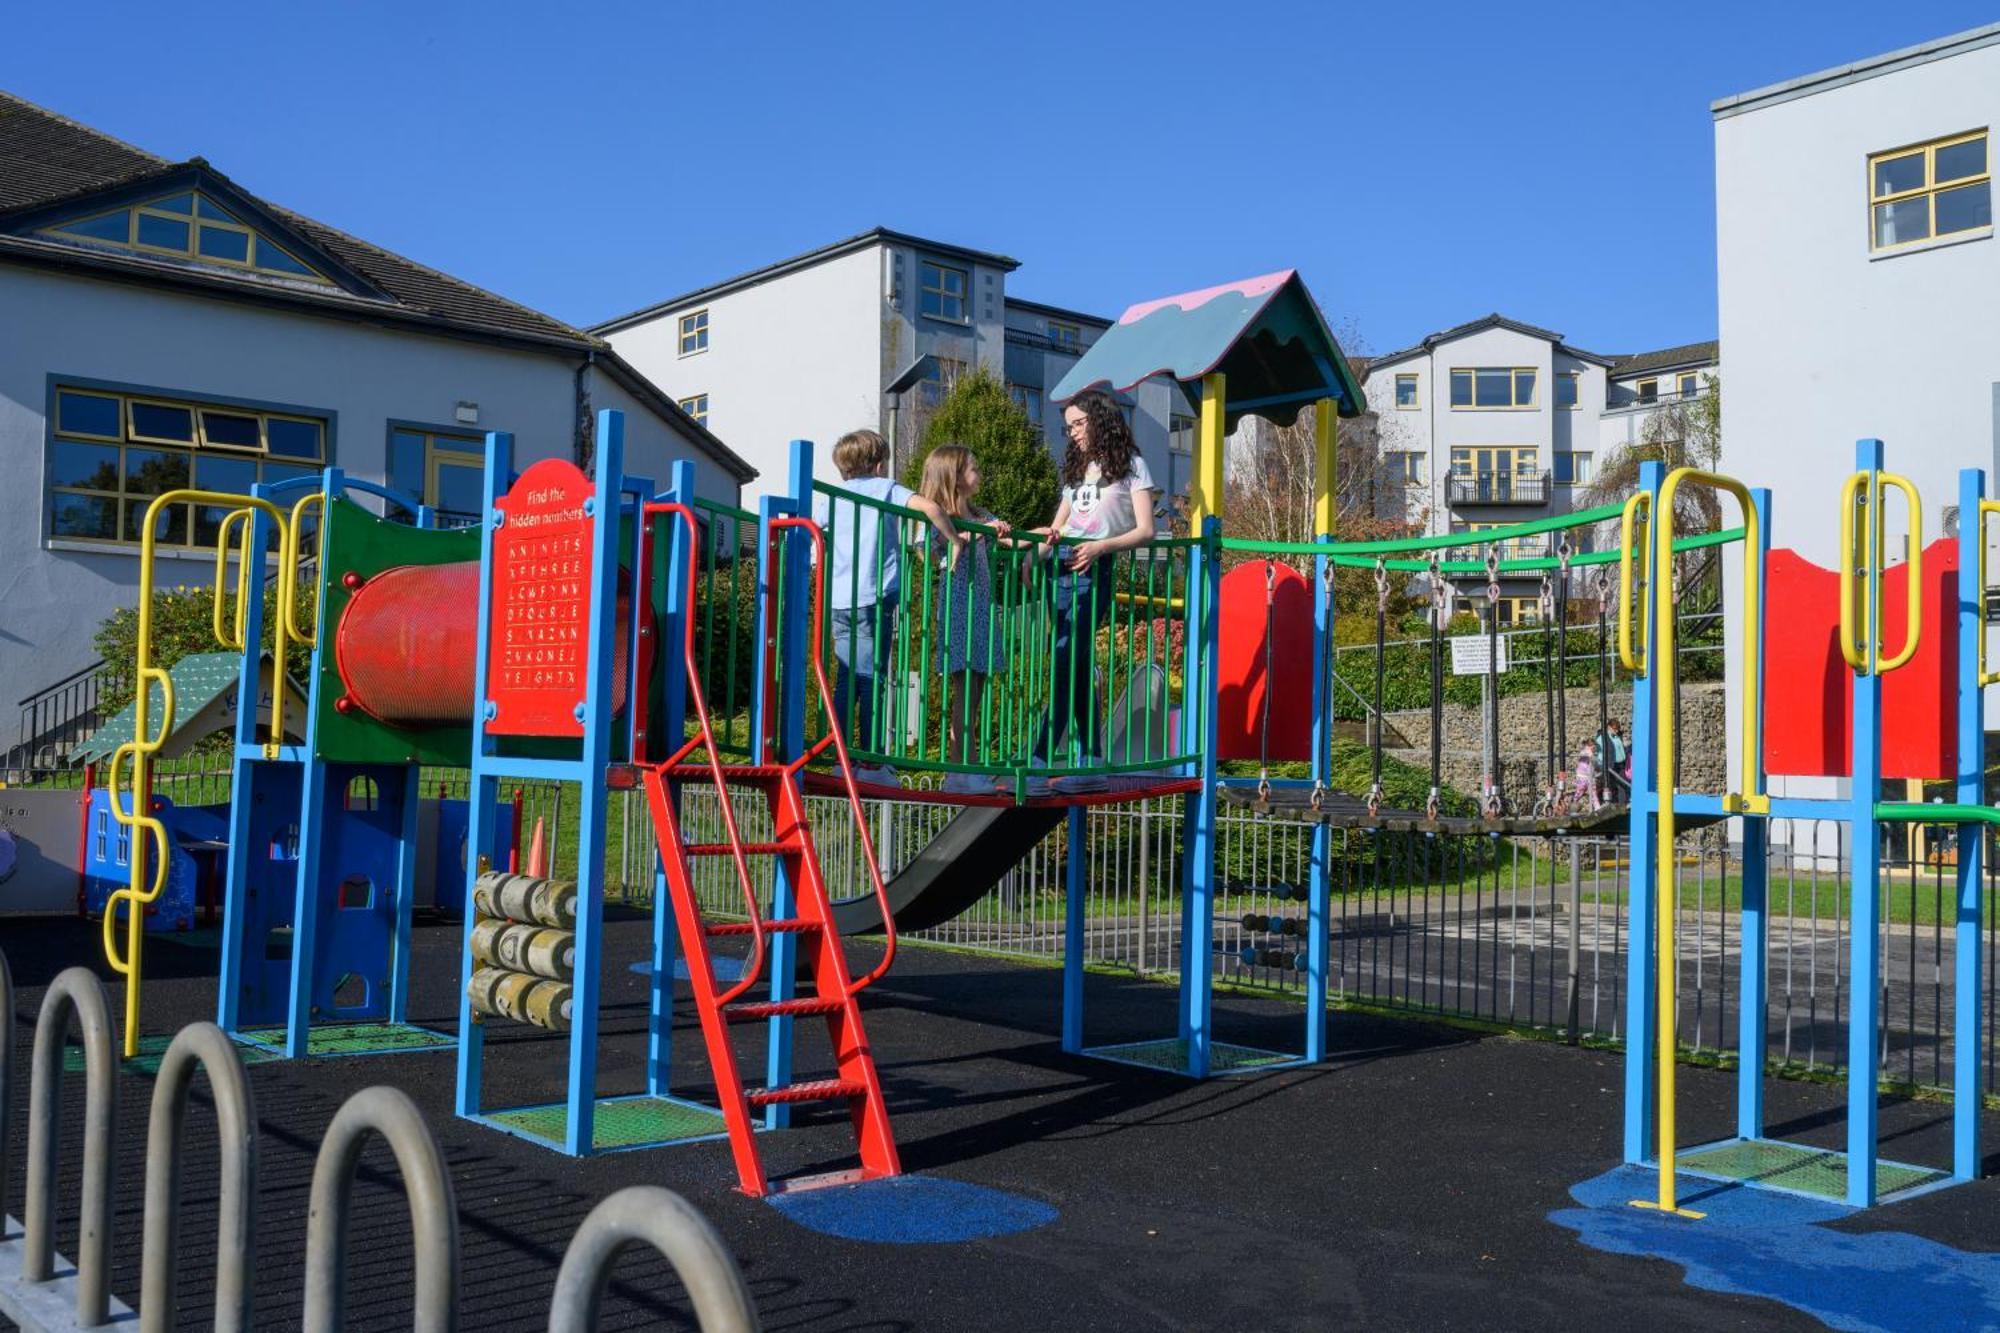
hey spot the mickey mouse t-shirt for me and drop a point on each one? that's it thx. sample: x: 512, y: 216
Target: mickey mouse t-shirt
x: 1098, y: 510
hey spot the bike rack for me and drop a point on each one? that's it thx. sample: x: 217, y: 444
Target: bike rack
x: 650, y: 1215
x: 433, y: 1210
x: 207, y: 1046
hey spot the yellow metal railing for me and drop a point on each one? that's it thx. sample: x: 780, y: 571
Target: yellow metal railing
x: 129, y: 780
x: 1749, y: 800
x: 1987, y: 508
x: 1864, y: 546
x: 1632, y: 539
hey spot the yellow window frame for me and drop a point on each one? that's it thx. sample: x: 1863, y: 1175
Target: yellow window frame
x: 1687, y: 384
x: 1416, y: 402
x: 1069, y: 335
x: 1931, y: 187
x: 1648, y: 390
x: 201, y: 411
x: 132, y: 432
x: 925, y: 268
x: 437, y: 456
x: 693, y: 330
x: 1522, y: 460
x: 269, y: 417
x: 194, y: 221
x: 1513, y: 374
x: 696, y: 406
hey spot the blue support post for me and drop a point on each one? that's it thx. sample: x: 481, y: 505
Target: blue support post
x: 578, y: 1132
x: 1754, y: 919
x: 406, y: 897
x: 1641, y: 1079
x: 245, y: 781
x: 1075, y: 886
x: 790, y: 566
x: 1865, y: 872
x: 1197, y: 897
x: 483, y: 788
x: 1319, y: 887
x: 670, y: 569
x: 1968, y: 1010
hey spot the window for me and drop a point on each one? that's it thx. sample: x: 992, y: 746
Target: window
x: 694, y: 333
x: 188, y: 226
x: 1180, y: 434
x: 696, y: 407
x: 1029, y: 400
x: 1069, y: 337
x: 1406, y: 391
x: 1933, y: 189
x: 112, y: 453
x: 942, y: 292
x: 1505, y: 460
x: 1407, y: 468
x: 1687, y: 384
x: 1493, y: 387
x: 444, y: 470
x: 1648, y: 391
x: 1572, y: 469
x: 1566, y: 389
x: 939, y: 376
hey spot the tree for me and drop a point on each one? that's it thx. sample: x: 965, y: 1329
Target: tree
x: 1019, y: 481
x: 1683, y: 431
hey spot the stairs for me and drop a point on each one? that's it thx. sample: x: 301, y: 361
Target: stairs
x: 790, y: 849
x: 824, y: 962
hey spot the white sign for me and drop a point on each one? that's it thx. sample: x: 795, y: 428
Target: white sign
x: 1470, y: 655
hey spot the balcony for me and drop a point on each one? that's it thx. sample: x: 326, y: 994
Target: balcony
x: 1498, y: 488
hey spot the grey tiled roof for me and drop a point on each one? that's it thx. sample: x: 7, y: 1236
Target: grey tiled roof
x: 1687, y: 354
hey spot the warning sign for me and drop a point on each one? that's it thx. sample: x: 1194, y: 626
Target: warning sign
x: 539, y: 651
x: 1472, y: 654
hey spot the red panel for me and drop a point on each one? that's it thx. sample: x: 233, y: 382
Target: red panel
x: 535, y: 673
x: 1809, y: 690
x: 1250, y: 613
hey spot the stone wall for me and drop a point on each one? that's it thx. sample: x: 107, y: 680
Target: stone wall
x: 1524, y: 737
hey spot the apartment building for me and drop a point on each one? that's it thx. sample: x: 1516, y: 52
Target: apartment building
x: 868, y: 332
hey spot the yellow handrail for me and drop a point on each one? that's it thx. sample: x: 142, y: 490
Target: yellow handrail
x: 133, y: 761
x: 1632, y: 535
x: 1986, y: 508
x: 1750, y: 800
x: 289, y: 560
x: 1864, y: 654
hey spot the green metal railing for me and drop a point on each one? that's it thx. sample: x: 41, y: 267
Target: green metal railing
x: 725, y: 612
x: 969, y: 659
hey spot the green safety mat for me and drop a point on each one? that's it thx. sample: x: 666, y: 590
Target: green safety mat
x: 354, y: 1038
x: 1171, y: 1053
x: 1819, y: 1172
x: 147, y: 1061
x: 620, y: 1122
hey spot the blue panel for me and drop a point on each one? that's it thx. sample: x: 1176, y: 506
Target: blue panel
x: 913, y: 1210
x: 257, y: 911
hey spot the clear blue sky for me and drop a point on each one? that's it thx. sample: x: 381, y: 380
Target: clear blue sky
x: 1421, y: 166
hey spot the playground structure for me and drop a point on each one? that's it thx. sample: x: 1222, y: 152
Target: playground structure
x: 590, y: 631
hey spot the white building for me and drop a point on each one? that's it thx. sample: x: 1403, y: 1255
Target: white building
x: 865, y: 333
x: 1858, y: 278
x: 165, y: 327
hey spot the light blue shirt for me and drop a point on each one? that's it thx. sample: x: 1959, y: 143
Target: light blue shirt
x: 862, y: 567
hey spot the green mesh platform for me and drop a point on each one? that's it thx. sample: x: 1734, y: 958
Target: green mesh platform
x: 354, y: 1038
x: 1171, y: 1054
x: 147, y: 1061
x: 620, y: 1122
x: 1790, y: 1166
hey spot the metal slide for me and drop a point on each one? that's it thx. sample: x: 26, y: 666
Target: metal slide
x: 967, y: 858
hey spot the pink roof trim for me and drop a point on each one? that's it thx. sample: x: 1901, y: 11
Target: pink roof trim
x: 1261, y: 286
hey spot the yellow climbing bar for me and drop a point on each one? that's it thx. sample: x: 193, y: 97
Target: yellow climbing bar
x: 1632, y: 539
x: 129, y: 782
x: 1749, y: 800
x: 1864, y: 546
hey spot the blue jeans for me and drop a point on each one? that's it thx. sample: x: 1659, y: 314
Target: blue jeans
x: 1082, y: 604
x: 860, y: 635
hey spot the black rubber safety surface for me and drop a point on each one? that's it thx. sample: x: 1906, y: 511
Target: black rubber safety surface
x: 1402, y: 1185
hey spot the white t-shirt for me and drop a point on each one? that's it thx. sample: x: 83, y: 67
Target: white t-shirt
x: 1098, y: 511
x: 854, y: 541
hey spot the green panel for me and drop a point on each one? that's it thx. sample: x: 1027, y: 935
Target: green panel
x: 359, y: 542
x: 355, y: 1038
x: 619, y: 1122
x: 147, y: 1061
x: 1172, y: 1054
x: 1819, y: 1172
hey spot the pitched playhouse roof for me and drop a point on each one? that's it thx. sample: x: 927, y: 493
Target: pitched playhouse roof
x: 52, y: 167
x: 1265, y: 334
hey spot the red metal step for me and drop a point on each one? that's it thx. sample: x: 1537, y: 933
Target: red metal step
x: 815, y: 1090
x: 751, y: 1011
x: 782, y: 925
x: 749, y: 848
x: 730, y: 773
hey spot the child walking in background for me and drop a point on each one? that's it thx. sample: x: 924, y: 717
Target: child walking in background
x: 1583, y: 794
x: 864, y: 582
x: 1107, y: 507
x: 968, y: 643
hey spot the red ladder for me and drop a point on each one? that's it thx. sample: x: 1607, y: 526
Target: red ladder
x: 791, y: 846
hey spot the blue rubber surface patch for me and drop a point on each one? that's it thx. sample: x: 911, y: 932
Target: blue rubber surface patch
x: 913, y: 1210
x: 1764, y: 1243
x: 726, y: 969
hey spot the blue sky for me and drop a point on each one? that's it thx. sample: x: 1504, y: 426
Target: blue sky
x: 1421, y: 167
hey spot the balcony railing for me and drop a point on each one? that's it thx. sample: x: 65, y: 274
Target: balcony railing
x: 1498, y: 488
